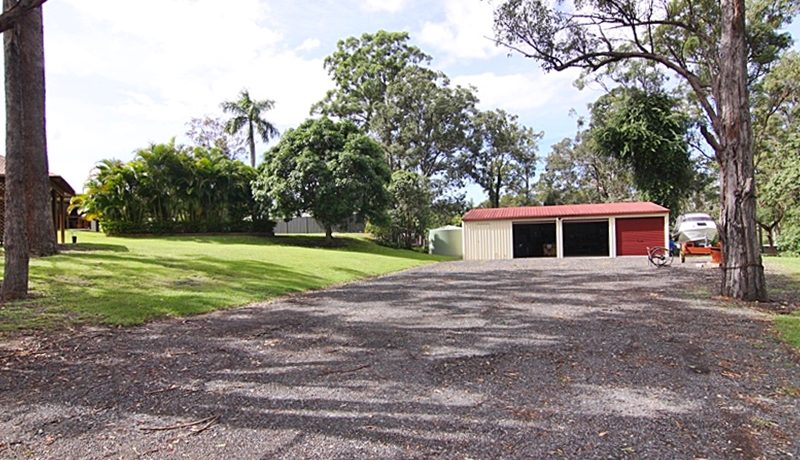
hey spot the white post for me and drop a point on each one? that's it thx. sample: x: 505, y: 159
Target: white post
x: 666, y: 231
x: 559, y: 239
x: 612, y: 237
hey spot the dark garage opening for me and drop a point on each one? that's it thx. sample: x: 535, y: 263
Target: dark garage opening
x: 535, y: 240
x: 585, y: 238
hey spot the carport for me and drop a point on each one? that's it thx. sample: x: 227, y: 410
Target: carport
x: 583, y: 230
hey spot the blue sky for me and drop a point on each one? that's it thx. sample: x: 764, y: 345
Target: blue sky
x: 122, y: 74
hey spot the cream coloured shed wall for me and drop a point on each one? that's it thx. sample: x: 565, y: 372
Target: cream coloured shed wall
x: 488, y: 240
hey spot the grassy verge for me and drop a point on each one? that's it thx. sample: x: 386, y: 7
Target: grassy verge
x: 127, y: 281
x: 789, y: 325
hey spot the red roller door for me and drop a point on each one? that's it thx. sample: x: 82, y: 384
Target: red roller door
x: 634, y: 236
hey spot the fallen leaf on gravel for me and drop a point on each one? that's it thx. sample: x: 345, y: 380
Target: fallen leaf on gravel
x: 602, y: 433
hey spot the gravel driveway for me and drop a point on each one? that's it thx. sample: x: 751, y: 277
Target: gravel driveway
x: 576, y: 358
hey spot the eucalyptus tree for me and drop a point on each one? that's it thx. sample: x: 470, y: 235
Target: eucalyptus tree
x: 29, y: 227
x: 574, y: 172
x: 716, y: 48
x: 497, y: 146
x: 362, y: 68
x: 776, y: 124
x: 246, y: 114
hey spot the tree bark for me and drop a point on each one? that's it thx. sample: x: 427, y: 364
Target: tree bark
x: 15, y: 241
x: 328, y: 234
x: 28, y: 39
x: 743, y: 273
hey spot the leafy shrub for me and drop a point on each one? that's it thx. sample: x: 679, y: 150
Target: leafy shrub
x: 178, y: 227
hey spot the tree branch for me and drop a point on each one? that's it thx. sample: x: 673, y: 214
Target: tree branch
x: 10, y: 17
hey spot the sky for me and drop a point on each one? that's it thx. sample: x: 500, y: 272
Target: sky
x: 123, y: 74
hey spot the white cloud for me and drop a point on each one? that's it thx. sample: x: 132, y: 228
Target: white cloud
x: 389, y: 6
x: 466, y: 31
x: 309, y: 44
x: 526, y: 92
x: 120, y: 76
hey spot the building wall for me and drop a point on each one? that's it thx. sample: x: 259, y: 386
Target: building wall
x: 492, y: 240
x: 488, y: 240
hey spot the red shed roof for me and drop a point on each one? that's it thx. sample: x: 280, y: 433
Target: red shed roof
x: 565, y: 210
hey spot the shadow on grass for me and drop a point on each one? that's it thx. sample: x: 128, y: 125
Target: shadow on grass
x: 85, y: 247
x: 115, y: 291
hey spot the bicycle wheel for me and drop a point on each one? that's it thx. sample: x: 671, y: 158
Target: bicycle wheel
x: 659, y: 256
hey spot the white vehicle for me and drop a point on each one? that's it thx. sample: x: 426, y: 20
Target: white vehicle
x: 695, y: 227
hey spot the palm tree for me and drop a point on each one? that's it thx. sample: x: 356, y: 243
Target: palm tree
x: 247, y: 115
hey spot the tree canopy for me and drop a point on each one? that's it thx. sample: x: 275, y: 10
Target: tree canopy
x: 501, y: 155
x: 330, y: 170
x: 168, y: 188
x: 648, y: 133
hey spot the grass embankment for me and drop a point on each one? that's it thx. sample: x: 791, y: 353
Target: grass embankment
x: 128, y: 281
x: 789, y: 325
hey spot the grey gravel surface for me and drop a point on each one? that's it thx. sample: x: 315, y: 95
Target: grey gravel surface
x: 576, y: 358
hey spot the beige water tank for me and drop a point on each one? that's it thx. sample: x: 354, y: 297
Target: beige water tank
x: 445, y: 241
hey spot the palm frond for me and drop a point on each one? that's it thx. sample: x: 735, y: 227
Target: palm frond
x: 235, y: 124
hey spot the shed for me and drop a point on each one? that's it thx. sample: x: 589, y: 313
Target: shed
x: 601, y: 230
x: 446, y: 241
x: 60, y: 194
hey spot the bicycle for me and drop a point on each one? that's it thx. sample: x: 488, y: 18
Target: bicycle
x: 659, y: 256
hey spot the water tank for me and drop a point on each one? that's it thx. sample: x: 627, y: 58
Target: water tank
x: 445, y: 241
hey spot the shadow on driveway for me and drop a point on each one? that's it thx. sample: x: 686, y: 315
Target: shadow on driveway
x: 516, y: 359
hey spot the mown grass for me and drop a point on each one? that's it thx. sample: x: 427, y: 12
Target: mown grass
x: 127, y: 281
x: 788, y: 326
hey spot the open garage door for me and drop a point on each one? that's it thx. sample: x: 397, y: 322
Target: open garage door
x: 535, y: 240
x: 586, y: 238
x: 635, y: 235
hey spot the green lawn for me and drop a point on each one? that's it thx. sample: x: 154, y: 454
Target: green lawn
x: 127, y: 281
x: 789, y: 325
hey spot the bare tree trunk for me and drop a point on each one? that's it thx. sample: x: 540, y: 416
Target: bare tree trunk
x: 743, y: 276
x: 30, y: 40
x: 15, y: 241
x: 328, y: 234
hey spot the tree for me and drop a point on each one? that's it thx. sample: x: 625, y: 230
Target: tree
x: 526, y: 161
x: 29, y: 224
x: 330, y: 170
x: 362, y: 70
x: 210, y: 132
x: 247, y: 116
x: 409, y: 212
x: 648, y: 132
x: 575, y: 173
x: 776, y: 115
x: 706, y: 44
x: 168, y: 188
x: 424, y: 124
x: 498, y: 142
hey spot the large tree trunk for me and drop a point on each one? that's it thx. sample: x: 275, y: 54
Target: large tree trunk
x: 328, y: 234
x: 15, y: 240
x: 28, y: 42
x: 743, y: 274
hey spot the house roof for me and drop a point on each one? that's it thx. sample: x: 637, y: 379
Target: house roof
x: 56, y: 181
x: 566, y: 210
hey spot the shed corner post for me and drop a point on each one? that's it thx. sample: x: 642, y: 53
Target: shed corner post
x: 612, y: 237
x: 666, y: 231
x: 559, y: 238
